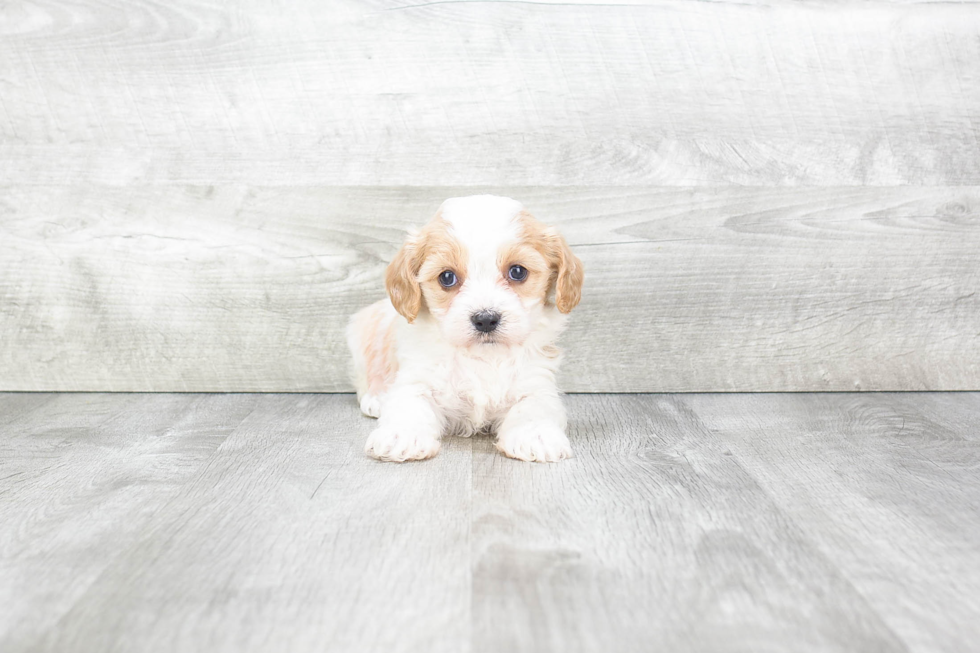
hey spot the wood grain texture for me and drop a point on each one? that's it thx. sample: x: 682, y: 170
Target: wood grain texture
x: 491, y: 93
x: 874, y: 485
x: 804, y: 522
x: 651, y: 539
x: 82, y: 477
x: 243, y: 288
x: 289, y: 539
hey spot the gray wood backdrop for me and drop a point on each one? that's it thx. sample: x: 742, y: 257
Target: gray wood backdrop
x: 767, y: 195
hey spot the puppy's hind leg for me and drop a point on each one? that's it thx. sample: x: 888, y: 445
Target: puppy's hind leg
x: 370, y: 404
x: 370, y: 336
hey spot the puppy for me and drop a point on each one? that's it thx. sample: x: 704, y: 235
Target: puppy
x: 465, y: 342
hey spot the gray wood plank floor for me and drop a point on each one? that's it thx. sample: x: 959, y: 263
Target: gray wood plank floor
x: 198, y: 522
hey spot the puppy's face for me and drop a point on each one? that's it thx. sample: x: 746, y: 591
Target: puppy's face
x: 484, y: 268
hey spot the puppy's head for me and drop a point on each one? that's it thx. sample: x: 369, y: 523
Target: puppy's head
x: 485, y: 269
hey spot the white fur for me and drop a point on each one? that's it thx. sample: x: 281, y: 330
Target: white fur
x: 449, y: 380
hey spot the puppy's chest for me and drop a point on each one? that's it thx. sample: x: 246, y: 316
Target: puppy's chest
x: 478, y: 391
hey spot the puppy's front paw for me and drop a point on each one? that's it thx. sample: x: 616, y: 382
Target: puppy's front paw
x: 371, y: 405
x: 542, y: 442
x: 395, y: 446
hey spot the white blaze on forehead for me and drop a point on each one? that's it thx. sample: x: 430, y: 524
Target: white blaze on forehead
x: 483, y: 224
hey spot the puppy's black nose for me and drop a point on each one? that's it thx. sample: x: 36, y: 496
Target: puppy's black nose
x: 485, y: 321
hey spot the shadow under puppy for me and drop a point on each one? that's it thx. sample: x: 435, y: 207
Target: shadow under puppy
x: 465, y: 341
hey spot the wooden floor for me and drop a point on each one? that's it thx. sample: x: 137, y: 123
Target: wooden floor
x: 193, y: 522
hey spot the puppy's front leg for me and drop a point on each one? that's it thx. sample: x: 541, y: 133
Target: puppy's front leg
x: 534, y: 429
x: 409, y: 428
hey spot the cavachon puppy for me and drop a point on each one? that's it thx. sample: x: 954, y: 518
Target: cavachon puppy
x: 465, y: 342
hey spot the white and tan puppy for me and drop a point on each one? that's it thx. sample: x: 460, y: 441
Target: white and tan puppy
x: 465, y: 341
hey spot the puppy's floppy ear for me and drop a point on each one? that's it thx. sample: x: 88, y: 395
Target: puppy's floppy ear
x: 401, y: 278
x: 571, y: 274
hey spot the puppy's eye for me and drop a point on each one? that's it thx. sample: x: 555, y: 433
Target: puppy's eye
x: 448, y: 279
x: 517, y: 273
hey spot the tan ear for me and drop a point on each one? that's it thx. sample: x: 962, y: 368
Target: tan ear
x: 571, y: 274
x: 401, y: 279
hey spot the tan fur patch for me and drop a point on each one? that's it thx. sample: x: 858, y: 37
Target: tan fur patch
x: 442, y: 252
x: 384, y: 367
x: 566, y: 272
x: 400, y: 279
x: 539, y: 273
x: 376, y: 336
x: 413, y: 274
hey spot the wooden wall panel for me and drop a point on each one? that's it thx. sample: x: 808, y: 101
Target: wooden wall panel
x: 769, y: 195
x: 239, y: 288
x: 489, y: 93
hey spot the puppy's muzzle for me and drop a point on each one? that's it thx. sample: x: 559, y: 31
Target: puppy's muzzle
x: 485, y: 321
